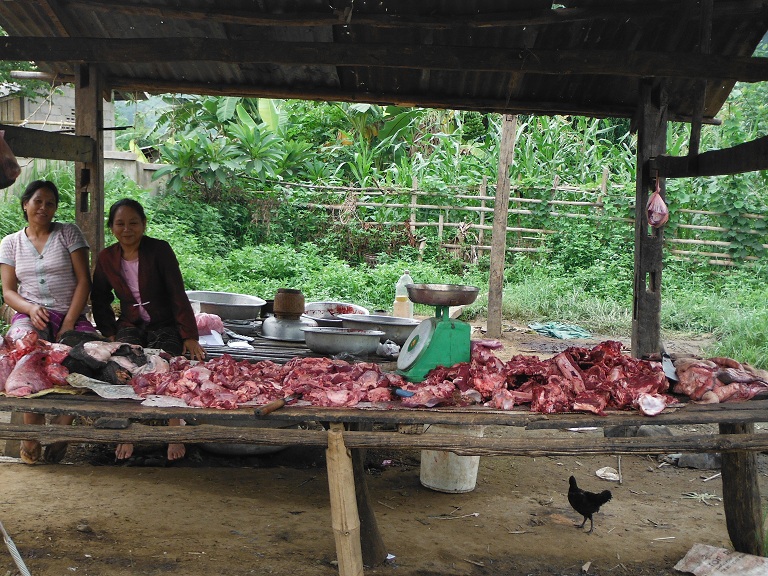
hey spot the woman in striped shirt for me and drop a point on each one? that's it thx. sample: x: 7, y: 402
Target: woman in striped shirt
x: 45, y: 279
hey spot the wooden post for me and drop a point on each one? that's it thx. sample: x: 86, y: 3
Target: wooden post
x: 89, y: 176
x: 700, y: 96
x: 414, y: 186
x: 741, y: 495
x: 344, y: 517
x: 371, y: 542
x: 483, y: 193
x: 603, y: 192
x: 499, y: 231
x: 651, y: 142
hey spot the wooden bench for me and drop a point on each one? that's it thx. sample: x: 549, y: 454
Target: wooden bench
x: 354, y: 428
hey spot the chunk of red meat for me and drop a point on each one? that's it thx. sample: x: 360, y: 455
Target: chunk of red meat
x: 28, y: 376
x: 551, y: 398
x: 430, y: 395
x: 57, y: 374
x: 590, y: 401
x: 507, y: 399
x: 488, y: 384
x: 570, y: 371
x: 7, y: 362
x: 379, y: 395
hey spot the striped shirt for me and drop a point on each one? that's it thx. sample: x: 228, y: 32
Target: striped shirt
x: 46, y: 279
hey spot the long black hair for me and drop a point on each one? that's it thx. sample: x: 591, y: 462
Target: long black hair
x: 128, y: 202
x: 33, y: 187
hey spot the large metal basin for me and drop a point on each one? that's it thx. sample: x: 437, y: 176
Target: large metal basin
x: 226, y: 305
x: 442, y: 294
x: 327, y: 313
x: 326, y: 340
x: 394, y: 328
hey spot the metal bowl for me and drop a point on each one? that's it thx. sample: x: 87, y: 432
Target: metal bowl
x: 274, y: 328
x: 326, y: 313
x: 442, y: 294
x: 394, y: 328
x: 324, y: 340
x: 226, y: 305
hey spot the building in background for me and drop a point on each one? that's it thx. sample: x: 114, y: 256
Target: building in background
x: 56, y: 113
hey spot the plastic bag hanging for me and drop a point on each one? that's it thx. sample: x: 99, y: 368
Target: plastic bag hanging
x: 658, y: 213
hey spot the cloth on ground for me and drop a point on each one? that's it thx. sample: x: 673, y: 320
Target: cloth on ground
x: 559, y: 330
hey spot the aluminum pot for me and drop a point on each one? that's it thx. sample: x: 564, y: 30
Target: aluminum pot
x: 394, y: 328
x: 325, y: 340
x: 226, y: 305
x: 288, y: 329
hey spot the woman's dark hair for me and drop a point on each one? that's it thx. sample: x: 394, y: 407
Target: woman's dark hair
x: 33, y: 187
x: 132, y: 204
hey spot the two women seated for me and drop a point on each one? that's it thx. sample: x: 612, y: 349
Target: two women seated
x: 45, y: 279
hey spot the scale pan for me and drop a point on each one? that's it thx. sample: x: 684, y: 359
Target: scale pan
x: 442, y: 294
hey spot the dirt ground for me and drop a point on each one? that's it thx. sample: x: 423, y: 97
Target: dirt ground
x: 269, y: 514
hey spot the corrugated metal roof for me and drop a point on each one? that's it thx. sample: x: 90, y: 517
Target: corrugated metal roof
x: 581, y: 56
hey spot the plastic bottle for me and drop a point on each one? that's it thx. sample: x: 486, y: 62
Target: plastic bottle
x: 403, y: 307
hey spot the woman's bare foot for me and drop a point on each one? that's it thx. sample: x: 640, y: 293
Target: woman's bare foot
x: 176, y: 451
x: 123, y: 451
x: 30, y: 451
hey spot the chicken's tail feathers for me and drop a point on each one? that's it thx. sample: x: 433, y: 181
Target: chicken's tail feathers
x: 604, y: 496
x: 572, y: 481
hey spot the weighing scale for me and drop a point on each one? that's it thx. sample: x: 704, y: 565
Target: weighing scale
x: 438, y: 341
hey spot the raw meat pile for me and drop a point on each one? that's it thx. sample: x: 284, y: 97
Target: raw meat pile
x: 577, y: 379
x: 30, y: 365
x: 226, y: 383
x: 718, y: 380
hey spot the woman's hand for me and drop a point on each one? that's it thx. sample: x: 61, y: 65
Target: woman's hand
x: 194, y: 349
x: 66, y: 326
x: 39, y: 317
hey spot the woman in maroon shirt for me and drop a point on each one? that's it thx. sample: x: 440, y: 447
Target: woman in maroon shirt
x: 144, y: 275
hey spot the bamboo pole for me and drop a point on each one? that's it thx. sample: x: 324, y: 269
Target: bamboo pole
x: 499, y: 234
x: 483, y: 191
x: 344, y: 517
x: 414, y: 201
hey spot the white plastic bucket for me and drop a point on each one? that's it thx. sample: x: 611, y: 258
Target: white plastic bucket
x: 445, y: 471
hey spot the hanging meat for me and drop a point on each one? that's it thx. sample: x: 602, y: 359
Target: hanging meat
x: 658, y: 213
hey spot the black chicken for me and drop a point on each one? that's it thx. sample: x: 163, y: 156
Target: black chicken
x: 586, y: 503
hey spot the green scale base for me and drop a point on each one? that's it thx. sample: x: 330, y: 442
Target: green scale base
x: 438, y: 341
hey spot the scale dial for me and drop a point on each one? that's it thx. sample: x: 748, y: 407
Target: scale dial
x: 417, y: 342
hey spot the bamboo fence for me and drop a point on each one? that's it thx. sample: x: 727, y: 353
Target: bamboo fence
x: 460, y: 215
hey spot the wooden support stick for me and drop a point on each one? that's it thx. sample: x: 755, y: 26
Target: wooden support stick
x: 344, y: 517
x: 741, y: 495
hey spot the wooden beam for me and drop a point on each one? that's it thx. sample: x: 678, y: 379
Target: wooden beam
x: 748, y: 157
x: 635, y: 64
x: 705, y: 43
x: 89, y: 175
x: 646, y: 304
x: 499, y: 234
x: 457, y: 443
x: 333, y: 16
x: 139, y: 86
x: 30, y: 143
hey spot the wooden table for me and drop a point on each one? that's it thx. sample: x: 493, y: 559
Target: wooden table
x: 353, y: 428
